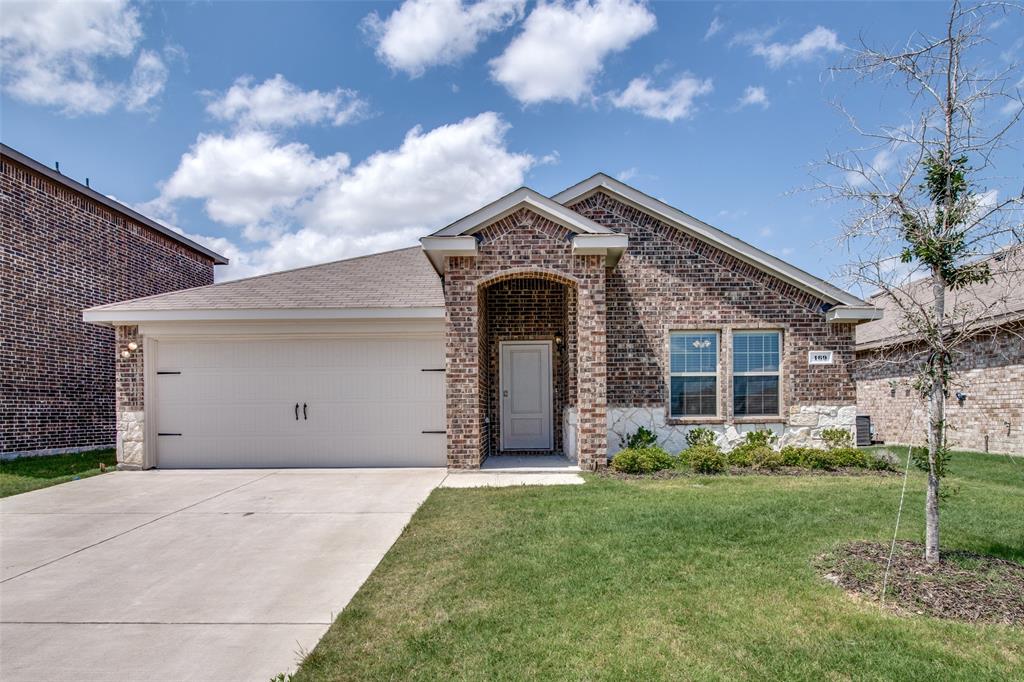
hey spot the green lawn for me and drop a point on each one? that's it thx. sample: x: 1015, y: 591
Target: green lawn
x: 30, y: 473
x: 698, y: 578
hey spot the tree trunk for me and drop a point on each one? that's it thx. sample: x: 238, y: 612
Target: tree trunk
x: 936, y: 421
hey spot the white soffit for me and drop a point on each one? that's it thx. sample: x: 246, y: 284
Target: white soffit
x: 701, y: 230
x: 856, y: 314
x: 437, y: 248
x: 611, y: 246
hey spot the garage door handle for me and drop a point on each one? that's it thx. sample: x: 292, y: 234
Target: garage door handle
x: 304, y: 415
x: 296, y: 412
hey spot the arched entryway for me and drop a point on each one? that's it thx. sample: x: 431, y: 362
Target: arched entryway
x: 527, y: 380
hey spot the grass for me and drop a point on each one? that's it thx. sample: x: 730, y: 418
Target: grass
x: 31, y: 473
x: 696, y: 578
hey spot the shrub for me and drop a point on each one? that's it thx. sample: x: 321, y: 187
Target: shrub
x: 707, y: 459
x: 742, y: 455
x: 642, y: 460
x: 850, y: 457
x: 699, y: 436
x: 836, y: 438
x: 639, y: 439
x: 759, y: 438
x: 764, y: 457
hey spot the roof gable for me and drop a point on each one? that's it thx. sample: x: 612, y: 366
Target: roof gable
x: 524, y: 197
x: 601, y: 182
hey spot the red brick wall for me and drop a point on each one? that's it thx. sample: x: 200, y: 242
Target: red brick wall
x: 61, y: 252
x: 989, y: 369
x: 521, y: 245
x: 527, y: 310
x: 668, y: 280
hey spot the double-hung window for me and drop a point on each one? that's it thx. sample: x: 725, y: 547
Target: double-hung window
x: 755, y: 373
x: 694, y: 374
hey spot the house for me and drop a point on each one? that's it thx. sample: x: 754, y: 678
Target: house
x: 986, y: 409
x: 533, y: 325
x: 65, y: 247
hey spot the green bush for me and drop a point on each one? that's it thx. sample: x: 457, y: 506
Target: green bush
x: 850, y: 457
x: 707, y: 459
x: 639, y: 439
x: 742, y: 455
x: 642, y: 460
x: 699, y: 436
x: 837, y: 438
x: 759, y: 438
x: 764, y: 457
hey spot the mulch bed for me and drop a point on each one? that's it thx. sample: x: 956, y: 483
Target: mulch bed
x: 963, y: 586
x: 666, y: 474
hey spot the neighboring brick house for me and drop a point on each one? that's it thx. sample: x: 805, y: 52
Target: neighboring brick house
x: 64, y: 248
x: 985, y: 409
x: 546, y: 325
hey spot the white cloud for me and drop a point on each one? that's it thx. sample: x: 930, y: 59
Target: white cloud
x: 814, y: 42
x: 765, y: 232
x: 278, y: 103
x: 714, y: 28
x: 246, y: 179
x: 628, y: 174
x: 297, y: 209
x: 671, y: 103
x: 562, y: 47
x: 874, y: 171
x: 754, y: 94
x: 147, y: 81
x: 425, y: 33
x: 51, y: 52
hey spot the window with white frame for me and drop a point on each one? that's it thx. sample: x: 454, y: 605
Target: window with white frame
x: 693, y: 365
x: 755, y: 373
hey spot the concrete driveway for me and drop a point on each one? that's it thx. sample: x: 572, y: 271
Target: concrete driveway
x: 190, y: 575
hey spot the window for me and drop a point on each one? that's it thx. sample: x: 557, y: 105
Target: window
x: 694, y: 374
x: 755, y: 370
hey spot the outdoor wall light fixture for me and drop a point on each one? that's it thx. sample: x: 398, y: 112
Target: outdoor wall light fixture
x: 558, y: 341
x: 961, y: 397
x: 126, y: 353
x: 132, y: 345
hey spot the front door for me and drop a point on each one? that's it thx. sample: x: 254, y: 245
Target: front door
x: 526, y: 395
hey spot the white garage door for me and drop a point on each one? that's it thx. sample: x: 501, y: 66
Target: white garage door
x: 300, y: 403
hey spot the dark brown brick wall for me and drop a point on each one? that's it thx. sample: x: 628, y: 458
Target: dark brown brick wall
x: 61, y: 252
x: 669, y: 280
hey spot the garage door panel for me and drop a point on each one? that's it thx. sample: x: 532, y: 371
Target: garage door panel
x: 368, y: 403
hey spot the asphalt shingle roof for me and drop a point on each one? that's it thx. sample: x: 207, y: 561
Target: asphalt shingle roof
x: 998, y: 301
x: 394, y: 279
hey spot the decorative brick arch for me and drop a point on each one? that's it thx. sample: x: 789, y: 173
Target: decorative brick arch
x: 527, y: 273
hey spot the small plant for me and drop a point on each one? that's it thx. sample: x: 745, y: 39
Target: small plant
x: 836, y: 438
x: 741, y: 456
x: 919, y: 456
x: 699, y: 435
x: 642, y: 460
x: 639, y: 439
x: 707, y: 459
x: 764, y: 457
x: 759, y: 438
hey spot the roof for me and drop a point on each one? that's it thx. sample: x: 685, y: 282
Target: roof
x: 999, y: 301
x: 524, y: 197
x: 401, y: 281
x: 705, y: 232
x: 116, y: 206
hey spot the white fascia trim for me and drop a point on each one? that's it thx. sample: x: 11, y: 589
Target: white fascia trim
x: 611, y: 246
x: 437, y: 248
x: 522, y: 197
x: 856, y: 314
x: 136, y: 316
x: 701, y: 230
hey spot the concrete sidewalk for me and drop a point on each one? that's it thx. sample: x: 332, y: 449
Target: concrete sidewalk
x: 190, y: 575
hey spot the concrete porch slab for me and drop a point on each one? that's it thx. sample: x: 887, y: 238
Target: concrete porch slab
x: 521, y: 464
x: 500, y: 479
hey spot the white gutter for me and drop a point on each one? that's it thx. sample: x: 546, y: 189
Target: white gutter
x: 110, y: 317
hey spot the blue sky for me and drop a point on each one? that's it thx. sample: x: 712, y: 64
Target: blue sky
x: 285, y: 134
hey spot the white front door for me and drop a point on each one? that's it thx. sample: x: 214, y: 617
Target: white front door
x: 526, y: 395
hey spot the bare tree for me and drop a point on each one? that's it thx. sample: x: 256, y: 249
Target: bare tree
x: 923, y: 227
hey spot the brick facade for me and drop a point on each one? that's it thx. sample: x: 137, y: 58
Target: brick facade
x: 61, y: 252
x: 665, y: 281
x: 989, y: 370
x: 521, y: 246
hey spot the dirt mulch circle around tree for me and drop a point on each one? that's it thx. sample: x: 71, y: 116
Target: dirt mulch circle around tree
x: 963, y: 586
x: 665, y: 474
